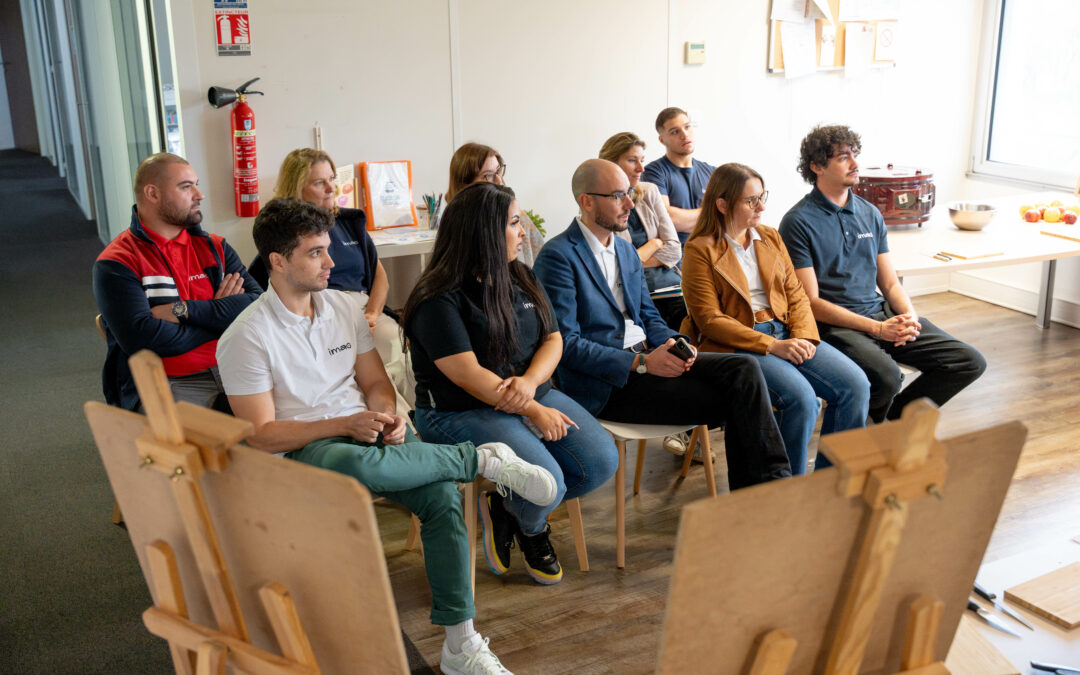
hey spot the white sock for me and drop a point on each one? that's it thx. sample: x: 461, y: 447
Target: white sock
x: 487, y: 464
x: 458, y: 634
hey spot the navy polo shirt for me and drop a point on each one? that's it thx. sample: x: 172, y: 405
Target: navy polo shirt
x: 684, y: 187
x: 842, y: 244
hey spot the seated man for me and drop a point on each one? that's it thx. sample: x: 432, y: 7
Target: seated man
x: 838, y: 245
x: 680, y: 178
x: 300, y: 365
x: 168, y: 286
x: 616, y: 362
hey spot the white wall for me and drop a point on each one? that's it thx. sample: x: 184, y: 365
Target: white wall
x: 547, y: 83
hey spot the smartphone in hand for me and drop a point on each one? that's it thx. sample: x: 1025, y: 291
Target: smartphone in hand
x: 682, y: 349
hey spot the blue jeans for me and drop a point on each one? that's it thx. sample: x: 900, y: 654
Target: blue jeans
x: 794, y: 391
x: 581, y: 461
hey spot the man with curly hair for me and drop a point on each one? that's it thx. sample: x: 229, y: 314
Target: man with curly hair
x: 838, y: 244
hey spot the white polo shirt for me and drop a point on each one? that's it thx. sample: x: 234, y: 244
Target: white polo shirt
x: 609, y: 265
x: 309, y: 364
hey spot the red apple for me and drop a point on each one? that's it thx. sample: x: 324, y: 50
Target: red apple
x: 1069, y: 218
x: 1032, y: 215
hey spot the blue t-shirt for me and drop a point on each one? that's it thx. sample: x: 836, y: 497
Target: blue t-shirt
x: 684, y: 187
x: 842, y: 244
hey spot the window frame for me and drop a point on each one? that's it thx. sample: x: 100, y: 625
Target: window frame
x: 981, y: 164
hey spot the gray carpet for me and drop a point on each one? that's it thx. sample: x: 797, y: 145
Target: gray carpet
x: 72, y: 594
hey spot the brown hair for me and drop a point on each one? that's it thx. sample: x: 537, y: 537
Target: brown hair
x: 822, y: 143
x: 466, y: 164
x: 665, y: 115
x: 151, y: 169
x: 617, y: 146
x: 295, y: 170
x: 728, y: 183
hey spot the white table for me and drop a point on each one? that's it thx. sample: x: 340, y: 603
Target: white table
x: 401, y: 241
x: 1008, y: 235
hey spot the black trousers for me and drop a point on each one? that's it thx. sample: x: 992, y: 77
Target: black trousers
x: 719, y: 390
x: 947, y: 364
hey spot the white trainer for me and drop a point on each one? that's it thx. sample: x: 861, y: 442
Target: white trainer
x: 476, y: 658
x: 512, y: 474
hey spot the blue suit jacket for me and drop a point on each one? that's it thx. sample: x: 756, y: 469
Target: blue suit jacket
x: 593, y: 360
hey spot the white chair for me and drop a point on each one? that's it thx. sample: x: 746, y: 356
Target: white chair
x: 623, y: 432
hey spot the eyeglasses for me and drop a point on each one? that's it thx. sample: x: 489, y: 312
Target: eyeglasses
x: 618, y: 195
x: 753, y: 202
x: 489, y: 176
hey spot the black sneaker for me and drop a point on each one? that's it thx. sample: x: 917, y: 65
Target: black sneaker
x: 499, y: 528
x: 540, y: 560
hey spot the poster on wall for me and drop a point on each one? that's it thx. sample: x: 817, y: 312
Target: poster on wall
x: 232, y: 27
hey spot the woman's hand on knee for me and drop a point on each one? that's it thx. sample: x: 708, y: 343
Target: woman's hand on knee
x: 553, y: 423
x: 517, y: 393
x: 793, y: 350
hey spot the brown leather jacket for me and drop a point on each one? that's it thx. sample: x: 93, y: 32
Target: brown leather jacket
x: 718, y: 297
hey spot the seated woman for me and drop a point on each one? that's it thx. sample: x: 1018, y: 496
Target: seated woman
x: 476, y: 163
x: 650, y: 229
x: 484, y: 345
x: 743, y: 295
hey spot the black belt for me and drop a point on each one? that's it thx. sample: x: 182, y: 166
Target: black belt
x: 639, y: 348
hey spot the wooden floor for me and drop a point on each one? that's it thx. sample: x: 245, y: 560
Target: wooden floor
x: 609, y: 621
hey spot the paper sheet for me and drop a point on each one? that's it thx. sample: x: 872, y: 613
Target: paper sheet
x: 390, y: 194
x: 858, y: 48
x: 828, y: 46
x: 869, y: 10
x: 788, y: 10
x: 819, y: 9
x: 797, y: 44
x: 885, y: 44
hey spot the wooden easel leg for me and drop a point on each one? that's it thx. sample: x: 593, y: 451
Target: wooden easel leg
x: 577, y: 527
x: 117, y: 517
x: 288, y: 630
x: 773, y: 654
x: 620, y: 507
x: 640, y: 465
x: 924, y: 620
x: 169, y: 594
x: 213, y: 656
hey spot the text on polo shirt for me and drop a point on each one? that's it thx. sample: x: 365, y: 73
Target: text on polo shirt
x: 335, y: 350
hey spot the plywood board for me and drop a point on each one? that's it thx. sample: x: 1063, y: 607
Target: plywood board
x: 972, y: 654
x: 1055, y: 596
x: 780, y: 556
x: 1070, y: 232
x: 313, y: 531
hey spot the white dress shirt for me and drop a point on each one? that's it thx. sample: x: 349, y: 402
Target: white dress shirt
x: 747, y: 258
x: 609, y: 265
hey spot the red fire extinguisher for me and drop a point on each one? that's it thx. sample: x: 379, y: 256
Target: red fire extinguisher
x: 245, y: 164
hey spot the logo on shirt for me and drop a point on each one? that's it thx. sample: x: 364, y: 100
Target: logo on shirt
x: 350, y: 243
x: 335, y: 350
x: 865, y: 235
x: 196, y: 277
x: 528, y: 305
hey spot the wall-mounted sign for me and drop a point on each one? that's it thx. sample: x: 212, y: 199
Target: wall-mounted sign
x: 232, y: 27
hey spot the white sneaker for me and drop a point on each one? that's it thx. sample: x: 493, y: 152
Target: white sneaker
x: 676, y: 443
x: 476, y: 658
x: 512, y: 474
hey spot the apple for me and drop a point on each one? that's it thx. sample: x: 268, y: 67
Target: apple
x: 1032, y: 215
x: 1052, y: 214
x: 1042, y: 210
x: 1056, y: 202
x: 1024, y: 209
x: 1069, y: 218
x: 1075, y: 208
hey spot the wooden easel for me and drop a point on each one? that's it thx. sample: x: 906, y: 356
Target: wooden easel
x: 872, y: 588
x: 224, y: 533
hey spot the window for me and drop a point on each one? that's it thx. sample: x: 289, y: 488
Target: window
x: 1027, y: 120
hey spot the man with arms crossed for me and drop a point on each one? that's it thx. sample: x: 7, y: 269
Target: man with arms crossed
x: 616, y: 362
x: 838, y: 244
x: 168, y: 286
x: 680, y: 178
x: 300, y: 365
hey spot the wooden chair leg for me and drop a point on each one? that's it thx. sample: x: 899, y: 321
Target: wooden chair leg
x: 577, y: 527
x: 471, y: 491
x: 413, y: 540
x: 688, y: 458
x: 706, y: 458
x: 640, y: 465
x: 620, y: 507
x: 117, y: 517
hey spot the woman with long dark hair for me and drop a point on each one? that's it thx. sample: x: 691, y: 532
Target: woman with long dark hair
x: 743, y: 296
x: 484, y: 345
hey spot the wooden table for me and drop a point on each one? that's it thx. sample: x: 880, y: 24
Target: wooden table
x: 1008, y: 236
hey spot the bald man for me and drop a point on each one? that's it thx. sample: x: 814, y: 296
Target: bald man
x: 616, y: 361
x: 168, y: 286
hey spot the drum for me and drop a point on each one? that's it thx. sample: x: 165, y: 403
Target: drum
x: 904, y: 195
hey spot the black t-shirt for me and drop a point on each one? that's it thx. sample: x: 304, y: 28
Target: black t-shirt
x: 453, y: 323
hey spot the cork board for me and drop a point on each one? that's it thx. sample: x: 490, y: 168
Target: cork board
x: 780, y: 556
x: 776, y: 55
x: 312, y: 530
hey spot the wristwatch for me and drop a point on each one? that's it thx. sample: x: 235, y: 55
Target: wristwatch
x: 641, y: 368
x: 179, y: 310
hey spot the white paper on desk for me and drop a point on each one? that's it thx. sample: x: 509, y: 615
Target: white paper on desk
x: 797, y: 46
x: 885, y: 42
x: 788, y: 10
x: 868, y: 10
x: 858, y: 48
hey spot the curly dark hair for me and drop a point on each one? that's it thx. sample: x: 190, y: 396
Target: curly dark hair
x: 822, y: 143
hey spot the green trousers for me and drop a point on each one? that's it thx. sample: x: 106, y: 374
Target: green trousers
x: 419, y: 476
